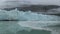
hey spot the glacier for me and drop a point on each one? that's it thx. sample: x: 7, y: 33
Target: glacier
x: 26, y: 16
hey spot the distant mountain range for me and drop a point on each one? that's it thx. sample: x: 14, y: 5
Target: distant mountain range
x: 35, y: 8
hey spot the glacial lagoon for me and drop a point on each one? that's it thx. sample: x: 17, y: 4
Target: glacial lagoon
x: 12, y: 27
x: 18, y: 27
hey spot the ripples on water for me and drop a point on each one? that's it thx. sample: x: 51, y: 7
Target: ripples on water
x: 12, y: 27
x: 19, y: 27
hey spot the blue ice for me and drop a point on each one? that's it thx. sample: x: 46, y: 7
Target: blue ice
x: 26, y: 16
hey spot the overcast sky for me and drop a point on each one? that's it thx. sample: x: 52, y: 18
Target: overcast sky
x: 22, y: 2
x: 53, y: 2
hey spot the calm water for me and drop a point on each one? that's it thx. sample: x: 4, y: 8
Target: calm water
x: 11, y: 27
